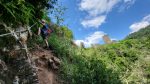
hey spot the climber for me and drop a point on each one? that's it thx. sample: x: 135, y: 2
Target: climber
x: 45, y: 32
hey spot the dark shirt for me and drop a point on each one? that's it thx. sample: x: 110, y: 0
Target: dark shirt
x: 44, y: 29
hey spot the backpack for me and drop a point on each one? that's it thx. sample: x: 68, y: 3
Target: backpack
x: 49, y: 31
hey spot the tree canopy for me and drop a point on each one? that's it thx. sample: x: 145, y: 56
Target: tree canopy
x: 24, y: 11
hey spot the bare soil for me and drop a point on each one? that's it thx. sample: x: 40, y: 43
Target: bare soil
x: 46, y: 73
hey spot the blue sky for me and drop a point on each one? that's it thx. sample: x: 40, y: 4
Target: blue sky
x: 91, y: 19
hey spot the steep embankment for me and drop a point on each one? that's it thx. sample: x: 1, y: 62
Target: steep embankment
x: 47, y: 66
x: 123, y: 62
x: 43, y: 70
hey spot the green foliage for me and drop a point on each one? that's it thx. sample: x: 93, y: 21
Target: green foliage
x: 125, y: 62
x: 79, y: 68
x: 24, y: 11
x: 118, y: 63
x: 16, y: 11
x: 58, y: 13
x: 66, y: 32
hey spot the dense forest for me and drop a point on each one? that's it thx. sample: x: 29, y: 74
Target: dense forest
x: 122, y: 62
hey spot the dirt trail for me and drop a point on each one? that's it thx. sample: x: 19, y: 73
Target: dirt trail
x: 47, y: 70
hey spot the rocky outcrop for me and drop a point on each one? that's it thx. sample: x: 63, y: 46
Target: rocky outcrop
x: 18, y: 70
x: 18, y: 67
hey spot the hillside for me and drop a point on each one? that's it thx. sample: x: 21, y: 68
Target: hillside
x: 25, y: 60
x: 145, y: 32
x: 124, y: 62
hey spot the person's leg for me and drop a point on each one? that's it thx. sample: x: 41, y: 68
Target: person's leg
x: 46, y: 42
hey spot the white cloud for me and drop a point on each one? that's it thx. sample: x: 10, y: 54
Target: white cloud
x: 78, y: 42
x: 127, y: 1
x: 97, y: 11
x: 113, y: 39
x: 96, y: 7
x: 147, y: 18
x: 141, y: 24
x: 95, y: 22
x: 91, y: 39
x: 127, y: 4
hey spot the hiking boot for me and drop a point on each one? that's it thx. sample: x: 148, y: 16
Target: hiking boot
x: 50, y: 47
x: 45, y: 47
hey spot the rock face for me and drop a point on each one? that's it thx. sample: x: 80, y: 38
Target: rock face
x: 3, y: 66
x: 26, y: 72
x: 17, y: 71
x: 3, y: 70
x: 43, y: 70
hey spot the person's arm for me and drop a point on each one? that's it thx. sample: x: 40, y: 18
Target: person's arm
x: 39, y: 31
